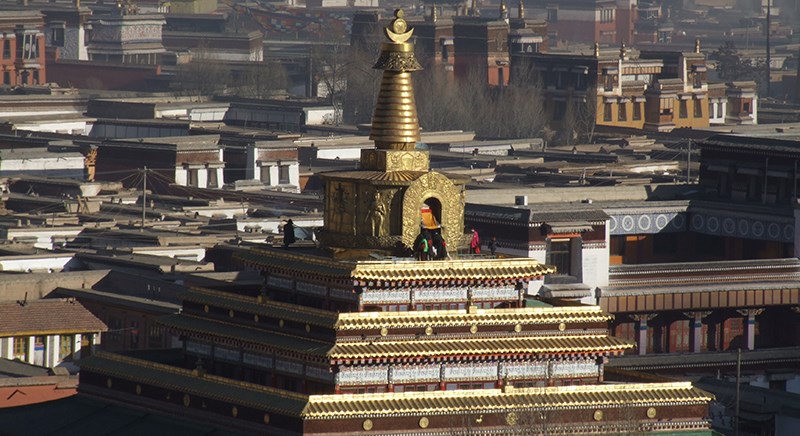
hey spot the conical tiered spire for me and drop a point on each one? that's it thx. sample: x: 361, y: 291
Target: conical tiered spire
x: 394, y: 123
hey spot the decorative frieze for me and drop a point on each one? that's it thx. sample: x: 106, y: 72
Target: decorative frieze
x: 312, y: 288
x: 523, y: 370
x: 258, y: 360
x: 228, y: 354
x: 343, y: 294
x: 280, y: 283
x: 198, y: 348
x: 385, y: 296
x: 357, y: 376
x: 470, y: 372
x: 647, y: 223
x: 289, y: 367
x: 416, y: 373
x: 495, y: 294
x: 440, y: 294
x: 575, y: 368
x: 318, y: 373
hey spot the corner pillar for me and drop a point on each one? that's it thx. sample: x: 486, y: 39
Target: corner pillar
x: 750, y: 325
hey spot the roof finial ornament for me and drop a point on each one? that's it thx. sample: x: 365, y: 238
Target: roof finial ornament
x: 697, y: 45
x: 623, y: 51
x: 503, y: 10
x: 596, y: 49
x: 521, y: 9
x: 434, y: 15
x: 398, y: 31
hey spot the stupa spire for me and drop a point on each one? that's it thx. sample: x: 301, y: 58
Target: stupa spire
x: 394, y: 123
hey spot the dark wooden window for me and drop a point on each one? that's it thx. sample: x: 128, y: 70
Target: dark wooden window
x: 561, y: 256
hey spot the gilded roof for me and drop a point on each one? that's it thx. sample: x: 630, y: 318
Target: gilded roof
x: 182, y: 380
x: 391, y: 270
x: 403, y: 177
x: 479, y: 346
x: 497, y: 269
x: 392, y: 404
x: 238, y: 333
x: 481, y: 317
x: 409, y: 319
x: 496, y: 400
x: 388, y: 349
x: 267, y: 308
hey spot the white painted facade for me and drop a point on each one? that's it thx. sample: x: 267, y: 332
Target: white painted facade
x: 39, y: 263
x: 317, y: 116
x: 196, y: 254
x: 42, y: 237
x: 283, y: 174
x: 42, y: 163
x: 198, y: 175
x: 48, y: 352
x: 717, y: 108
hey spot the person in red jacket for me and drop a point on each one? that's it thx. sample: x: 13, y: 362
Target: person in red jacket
x: 475, y: 243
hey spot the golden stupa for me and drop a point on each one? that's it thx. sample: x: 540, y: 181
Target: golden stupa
x: 378, y: 207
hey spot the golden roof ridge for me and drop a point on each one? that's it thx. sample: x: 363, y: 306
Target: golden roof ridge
x: 185, y: 372
x: 583, y: 396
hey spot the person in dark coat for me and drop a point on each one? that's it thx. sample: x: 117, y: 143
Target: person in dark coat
x: 439, y: 245
x: 288, y: 234
x: 492, y: 245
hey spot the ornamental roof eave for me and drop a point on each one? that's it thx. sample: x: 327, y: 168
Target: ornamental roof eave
x: 396, y: 270
x: 388, y: 349
x: 479, y: 269
x: 183, y: 380
x: 598, y: 344
x: 262, y: 307
x: 496, y: 400
x: 481, y: 317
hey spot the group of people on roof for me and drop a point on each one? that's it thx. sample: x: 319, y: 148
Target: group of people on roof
x: 430, y: 245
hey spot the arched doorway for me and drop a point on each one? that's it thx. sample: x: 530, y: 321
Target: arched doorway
x: 435, y: 206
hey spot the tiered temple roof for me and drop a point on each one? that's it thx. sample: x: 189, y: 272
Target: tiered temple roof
x: 362, y: 342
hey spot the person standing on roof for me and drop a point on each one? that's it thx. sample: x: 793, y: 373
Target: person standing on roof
x: 288, y: 234
x: 475, y: 243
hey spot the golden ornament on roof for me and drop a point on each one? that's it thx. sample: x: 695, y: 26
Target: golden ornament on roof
x: 398, y: 31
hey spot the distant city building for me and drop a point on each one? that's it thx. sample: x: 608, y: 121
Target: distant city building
x: 188, y: 161
x: 126, y: 38
x: 22, y: 48
x: 649, y: 90
x: 67, y: 29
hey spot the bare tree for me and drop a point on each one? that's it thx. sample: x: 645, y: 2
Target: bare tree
x: 581, y: 115
x: 441, y: 102
x: 330, y: 63
x: 445, y: 103
x: 262, y: 80
x: 359, y: 100
x: 203, y: 75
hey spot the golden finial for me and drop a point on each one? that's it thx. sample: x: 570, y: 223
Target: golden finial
x: 434, y: 16
x: 521, y: 9
x: 596, y: 49
x: 503, y: 10
x: 697, y: 45
x: 398, y: 31
x: 394, y: 122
